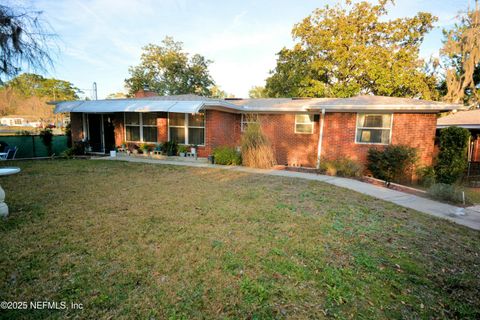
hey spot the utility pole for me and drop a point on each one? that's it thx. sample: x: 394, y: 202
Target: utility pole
x: 94, y: 91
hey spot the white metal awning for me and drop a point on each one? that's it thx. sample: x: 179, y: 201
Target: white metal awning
x: 129, y: 105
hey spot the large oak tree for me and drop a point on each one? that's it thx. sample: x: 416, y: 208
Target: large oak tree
x: 461, y: 55
x: 168, y: 70
x: 352, y: 49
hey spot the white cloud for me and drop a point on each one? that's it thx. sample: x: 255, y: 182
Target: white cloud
x: 101, y: 38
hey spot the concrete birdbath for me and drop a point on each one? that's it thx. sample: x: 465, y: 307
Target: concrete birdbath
x: 3, y: 206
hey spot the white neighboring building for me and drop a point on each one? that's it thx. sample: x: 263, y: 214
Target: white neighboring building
x: 15, y: 121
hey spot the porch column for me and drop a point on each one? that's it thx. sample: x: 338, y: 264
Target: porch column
x: 320, y: 138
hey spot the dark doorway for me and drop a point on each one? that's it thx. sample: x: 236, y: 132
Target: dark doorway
x: 101, y: 135
x: 108, y: 129
x: 95, y: 132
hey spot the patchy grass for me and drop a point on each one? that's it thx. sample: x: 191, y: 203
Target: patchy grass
x: 472, y: 195
x: 151, y: 242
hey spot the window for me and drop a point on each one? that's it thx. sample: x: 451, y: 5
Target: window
x: 374, y: 128
x: 304, y: 123
x: 141, y: 127
x: 132, y: 126
x: 149, y: 127
x: 187, y: 128
x: 196, y: 129
x: 248, y: 118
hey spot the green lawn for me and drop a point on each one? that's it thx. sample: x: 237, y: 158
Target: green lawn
x: 152, y: 242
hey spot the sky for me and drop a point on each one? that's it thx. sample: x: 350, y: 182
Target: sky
x: 100, y: 39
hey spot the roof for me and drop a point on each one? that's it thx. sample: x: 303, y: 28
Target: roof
x: 467, y: 119
x: 181, y: 104
x: 192, y: 104
x: 358, y: 103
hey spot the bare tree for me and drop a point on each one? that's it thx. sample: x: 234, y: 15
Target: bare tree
x: 462, y: 50
x: 25, y: 40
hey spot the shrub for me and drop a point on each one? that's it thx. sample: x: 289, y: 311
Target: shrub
x: 426, y: 176
x: 227, y: 156
x: 341, y: 167
x: 170, y: 148
x: 257, y: 151
x: 393, y: 163
x: 47, y: 136
x: 446, y: 192
x: 77, y: 149
x: 68, y: 133
x: 144, y: 148
x: 452, y: 159
x: 182, y: 149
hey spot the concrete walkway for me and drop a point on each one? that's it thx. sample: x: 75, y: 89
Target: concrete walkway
x: 468, y: 217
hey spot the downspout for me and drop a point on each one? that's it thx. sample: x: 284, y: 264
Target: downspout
x: 320, y: 138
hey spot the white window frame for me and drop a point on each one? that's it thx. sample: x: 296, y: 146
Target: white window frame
x: 312, y: 123
x: 148, y: 126
x: 244, y: 123
x: 132, y: 125
x: 378, y: 128
x: 186, y: 126
x: 140, y: 125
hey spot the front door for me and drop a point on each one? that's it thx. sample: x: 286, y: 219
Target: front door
x: 109, y: 132
x: 95, y: 134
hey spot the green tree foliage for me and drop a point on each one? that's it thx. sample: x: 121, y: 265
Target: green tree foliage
x: 461, y: 55
x: 257, y: 92
x: 343, y: 51
x: 24, y: 41
x: 217, y: 92
x: 47, y: 137
x: 452, y: 159
x: 116, y: 95
x: 168, y: 70
x: 394, y: 163
x: 30, y: 85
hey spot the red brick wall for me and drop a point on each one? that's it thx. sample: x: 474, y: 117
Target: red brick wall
x: 412, y: 129
x: 162, y: 127
x: 119, y: 132
x: 416, y: 130
x: 290, y: 148
x: 221, y: 129
x: 76, y: 125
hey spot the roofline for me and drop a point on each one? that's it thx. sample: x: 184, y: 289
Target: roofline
x: 307, y: 108
x: 466, y: 126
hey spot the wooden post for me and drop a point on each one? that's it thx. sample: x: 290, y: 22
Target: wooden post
x: 33, y: 147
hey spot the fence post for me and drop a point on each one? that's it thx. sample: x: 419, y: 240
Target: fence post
x: 33, y: 147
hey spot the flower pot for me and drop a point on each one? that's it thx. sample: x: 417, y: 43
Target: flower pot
x: 113, y: 153
x: 183, y: 154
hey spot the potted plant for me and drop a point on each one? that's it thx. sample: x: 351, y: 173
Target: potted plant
x: 193, y: 150
x: 88, y: 148
x: 182, y: 151
x: 170, y: 148
x: 135, y: 149
x: 144, y: 148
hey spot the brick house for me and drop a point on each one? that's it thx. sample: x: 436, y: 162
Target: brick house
x: 302, y: 131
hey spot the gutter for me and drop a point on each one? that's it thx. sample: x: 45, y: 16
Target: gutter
x: 320, y: 138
